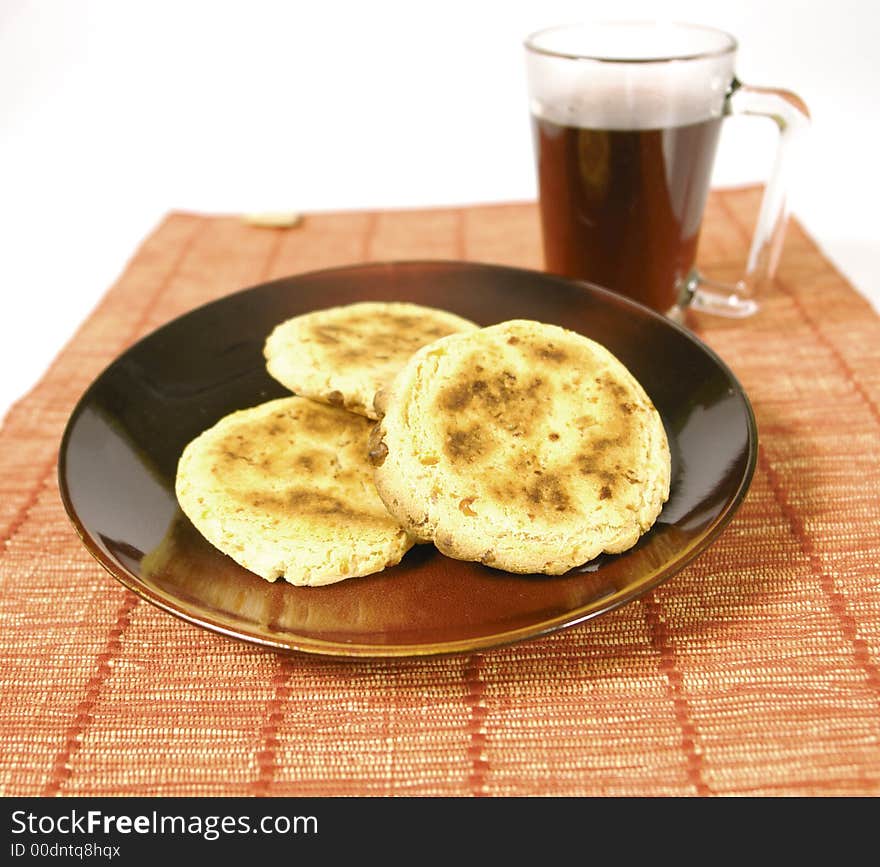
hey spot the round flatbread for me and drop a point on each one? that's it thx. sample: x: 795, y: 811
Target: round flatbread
x: 523, y: 446
x: 285, y: 490
x: 344, y: 355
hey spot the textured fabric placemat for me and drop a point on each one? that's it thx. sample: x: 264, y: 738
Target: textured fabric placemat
x: 752, y: 672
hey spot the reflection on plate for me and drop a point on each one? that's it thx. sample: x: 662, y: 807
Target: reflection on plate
x: 119, y: 456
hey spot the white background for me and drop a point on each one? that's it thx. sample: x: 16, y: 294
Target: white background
x: 113, y: 112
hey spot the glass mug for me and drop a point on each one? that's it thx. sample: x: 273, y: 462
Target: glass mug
x: 626, y: 119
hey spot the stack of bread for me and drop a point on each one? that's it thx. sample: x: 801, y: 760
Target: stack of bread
x: 524, y: 446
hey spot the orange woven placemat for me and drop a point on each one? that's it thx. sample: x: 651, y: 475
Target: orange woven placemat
x: 754, y: 671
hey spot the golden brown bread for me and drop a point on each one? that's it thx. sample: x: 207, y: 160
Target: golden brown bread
x: 344, y: 355
x: 523, y: 446
x: 285, y: 490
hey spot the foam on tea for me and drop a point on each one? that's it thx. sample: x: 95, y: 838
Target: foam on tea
x: 636, y: 94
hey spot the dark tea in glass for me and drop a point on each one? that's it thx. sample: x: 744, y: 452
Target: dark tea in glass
x: 624, y: 206
x: 626, y: 120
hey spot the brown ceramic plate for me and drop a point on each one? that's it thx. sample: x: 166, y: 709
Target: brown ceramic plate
x: 121, y: 445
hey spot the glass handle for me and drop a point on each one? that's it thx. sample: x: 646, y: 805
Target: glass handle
x: 792, y: 118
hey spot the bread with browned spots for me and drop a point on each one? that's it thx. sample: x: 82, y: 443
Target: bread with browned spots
x: 344, y: 355
x: 285, y: 490
x: 524, y: 446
